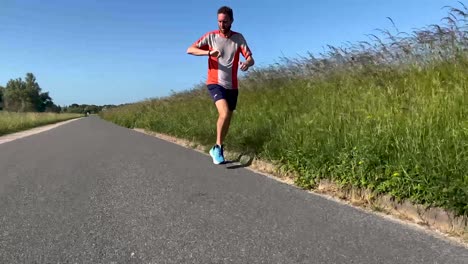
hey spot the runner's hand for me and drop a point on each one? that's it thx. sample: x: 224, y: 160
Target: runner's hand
x: 215, y: 53
x: 243, y: 66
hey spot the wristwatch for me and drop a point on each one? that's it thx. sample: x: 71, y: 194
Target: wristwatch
x: 209, y: 53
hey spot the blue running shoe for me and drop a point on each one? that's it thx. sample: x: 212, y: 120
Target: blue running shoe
x: 217, y: 154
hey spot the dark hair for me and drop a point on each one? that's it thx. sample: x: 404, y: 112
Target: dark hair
x: 227, y: 11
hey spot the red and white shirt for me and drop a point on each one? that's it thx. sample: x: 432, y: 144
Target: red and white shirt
x: 223, y: 70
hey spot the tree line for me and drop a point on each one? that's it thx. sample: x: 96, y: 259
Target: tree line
x: 27, y: 96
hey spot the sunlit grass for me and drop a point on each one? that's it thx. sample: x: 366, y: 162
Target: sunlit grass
x: 13, y: 122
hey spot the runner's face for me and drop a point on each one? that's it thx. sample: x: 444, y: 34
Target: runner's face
x: 224, y: 23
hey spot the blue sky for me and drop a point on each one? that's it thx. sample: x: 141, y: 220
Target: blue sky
x: 122, y: 51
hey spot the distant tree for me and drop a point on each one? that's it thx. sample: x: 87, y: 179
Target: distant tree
x: 93, y: 109
x: 45, y: 102
x: 75, y: 108
x: 26, y: 96
x: 15, y: 95
x: 83, y: 108
x: 53, y: 108
x: 33, y: 93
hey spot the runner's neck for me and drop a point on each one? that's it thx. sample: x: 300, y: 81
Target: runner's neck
x: 229, y: 33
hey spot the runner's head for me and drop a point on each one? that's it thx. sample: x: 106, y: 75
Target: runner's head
x: 225, y: 19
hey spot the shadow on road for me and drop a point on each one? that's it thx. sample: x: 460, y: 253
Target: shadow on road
x: 242, y: 160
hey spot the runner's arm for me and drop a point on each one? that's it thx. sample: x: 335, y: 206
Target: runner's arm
x: 193, y: 50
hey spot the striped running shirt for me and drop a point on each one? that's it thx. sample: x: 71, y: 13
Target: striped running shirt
x: 223, y: 70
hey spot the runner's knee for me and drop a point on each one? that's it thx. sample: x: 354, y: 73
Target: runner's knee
x: 224, y: 114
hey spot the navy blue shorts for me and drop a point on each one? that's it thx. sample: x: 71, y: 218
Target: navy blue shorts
x: 218, y: 92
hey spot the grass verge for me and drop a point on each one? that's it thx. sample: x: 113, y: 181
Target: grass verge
x: 13, y: 122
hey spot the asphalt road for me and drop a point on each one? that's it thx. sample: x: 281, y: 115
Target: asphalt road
x: 92, y: 192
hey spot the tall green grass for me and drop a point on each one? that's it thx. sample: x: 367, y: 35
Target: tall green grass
x: 13, y: 122
x: 391, y: 116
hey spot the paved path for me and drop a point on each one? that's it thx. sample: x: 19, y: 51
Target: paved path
x: 92, y: 192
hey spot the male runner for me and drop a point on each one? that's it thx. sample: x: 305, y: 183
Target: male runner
x: 223, y: 47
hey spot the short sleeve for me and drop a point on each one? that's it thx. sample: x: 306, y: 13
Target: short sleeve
x: 203, y: 42
x: 244, y: 48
